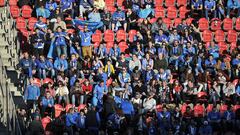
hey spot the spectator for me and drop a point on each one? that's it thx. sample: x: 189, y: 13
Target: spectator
x: 233, y: 4
x: 118, y: 20
x: 99, y: 4
x: 210, y: 5
x: 159, y: 24
x: 197, y: 6
x: 85, y: 5
x: 62, y: 92
x: 59, y: 23
x: 47, y: 104
x: 93, y: 121
x: 61, y: 64
x: 35, y: 127
x: 205, y: 129
x: 41, y: 11
x: 70, y: 121
x: 86, y: 42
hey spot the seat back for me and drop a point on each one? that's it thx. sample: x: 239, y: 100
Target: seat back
x: 26, y: 11
x: 203, y: 24
x: 232, y: 36
x: 219, y: 36
x: 108, y: 36
x: 227, y: 24
x: 171, y: 12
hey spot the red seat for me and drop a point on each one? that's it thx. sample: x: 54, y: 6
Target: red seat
x: 232, y: 36
x: 37, y: 82
x: 189, y: 21
x: 121, y: 35
x: 222, y: 47
x: 209, y: 108
x: 58, y: 110
x: 169, y: 3
x: 131, y: 35
x: 237, y: 26
x: 159, y: 108
x: 111, y: 9
x: 20, y: 23
x: 26, y: 11
x: 108, y: 36
x: 119, y: 2
x: 71, y: 31
x: 48, y: 80
x: 109, y: 45
x: 235, y: 108
x: 159, y: 12
x: 216, y: 24
x: 24, y: 32
x: 177, y: 21
x: 183, y: 11
x: 109, y: 82
x: 31, y: 22
x: 15, y: 11
x: 227, y: 24
x: 2, y: 3
x: 223, y: 108
x: 123, y: 46
x: 171, y: 12
x: 182, y: 2
x: 167, y: 21
x: 68, y: 106
x: 13, y: 2
x: 45, y: 121
x: 203, y: 24
x: 158, y: 2
x: 198, y: 110
x: 109, y: 3
x: 81, y: 106
x: 207, y: 36
x: 96, y: 44
x: 233, y: 45
x: 97, y: 37
x: 153, y: 20
x: 219, y: 36
x: 184, y: 108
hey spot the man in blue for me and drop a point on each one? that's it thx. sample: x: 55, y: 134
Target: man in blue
x: 60, y: 41
x: 40, y: 24
x: 175, y: 54
x: 164, y: 120
x: 51, y: 5
x: 61, y: 64
x: 38, y: 41
x: 160, y: 37
x: 114, y: 52
x: 197, y: 6
x: 81, y: 122
x: 210, y: 5
x: 228, y: 119
x: 31, y: 95
x: 205, y: 129
x: 210, y: 64
x: 50, y: 68
x: 124, y: 77
x: 85, y: 5
x: 233, y: 4
x: 67, y: 6
x: 41, y: 67
x: 119, y: 20
x: 70, y: 121
x: 101, y: 52
x: 128, y: 110
x: 99, y: 91
x: 214, y: 118
x: 47, y: 103
x: 41, y: 11
x: 86, y: 37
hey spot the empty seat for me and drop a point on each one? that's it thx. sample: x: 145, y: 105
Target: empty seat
x: 131, y: 35
x: 15, y: 11
x: 219, y: 36
x: 119, y: 2
x: 232, y: 36
x: 2, y: 3
x: 227, y: 24
x: 121, y: 35
x: 203, y: 24
x: 171, y: 12
x: 189, y: 21
x: 222, y: 47
x: 109, y: 3
x: 198, y: 110
x: 20, y: 23
x: 159, y: 12
x: 13, y: 2
x: 207, y: 36
x: 108, y: 36
x: 153, y: 20
x: 182, y: 2
x: 123, y: 46
x: 26, y: 11
x: 233, y: 45
x: 216, y: 24
x: 237, y: 26
x: 177, y: 21
x: 97, y: 37
x: 169, y: 3
x: 31, y: 22
x: 167, y: 21
x: 223, y: 108
x: 183, y: 11
x: 111, y: 9
x: 158, y: 2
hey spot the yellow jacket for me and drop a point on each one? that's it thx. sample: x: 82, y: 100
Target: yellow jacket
x: 111, y: 68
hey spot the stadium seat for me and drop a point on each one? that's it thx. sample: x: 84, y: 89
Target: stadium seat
x: 97, y: 37
x: 45, y: 121
x: 198, y: 110
x: 15, y: 11
x: 68, y: 106
x: 237, y: 26
x: 158, y: 2
x: 109, y: 45
x: 222, y: 47
x: 159, y: 12
x: 109, y: 3
x: 167, y: 21
x: 12, y: 2
x: 119, y: 2
x: 207, y: 36
x: 184, y: 108
x: 232, y: 36
x: 81, y: 106
x: 109, y: 82
x: 131, y: 35
x: 183, y: 11
x: 153, y: 20
x: 189, y: 21
x: 177, y: 21
x: 223, y: 108
x: 227, y: 24
x: 111, y: 9
x: 2, y: 3
x: 26, y: 11
x: 235, y: 108
x: 202, y: 96
x: 37, y: 82
x: 20, y: 23
x: 70, y: 31
x: 68, y: 21
x: 108, y: 36
x: 171, y: 12
x: 209, y: 108
x: 182, y: 3
x: 48, y: 80
x: 219, y: 36
x: 216, y: 24
x: 203, y: 24
x: 233, y: 45
x: 31, y: 22
x: 58, y: 110
x: 159, y: 108
x: 123, y: 46
x: 169, y: 3
x: 96, y: 44
x: 121, y: 35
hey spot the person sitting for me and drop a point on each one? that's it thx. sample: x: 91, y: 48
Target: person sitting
x: 47, y: 103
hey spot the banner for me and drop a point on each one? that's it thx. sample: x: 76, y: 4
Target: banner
x: 92, y: 26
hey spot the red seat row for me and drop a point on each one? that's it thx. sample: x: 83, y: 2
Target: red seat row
x: 171, y: 12
x: 26, y: 11
x: 207, y: 36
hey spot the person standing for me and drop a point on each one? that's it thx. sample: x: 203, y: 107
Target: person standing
x: 93, y: 121
x: 86, y: 37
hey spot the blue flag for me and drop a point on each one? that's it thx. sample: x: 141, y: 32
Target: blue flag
x: 92, y: 26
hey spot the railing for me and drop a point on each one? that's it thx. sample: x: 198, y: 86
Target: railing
x: 8, y: 110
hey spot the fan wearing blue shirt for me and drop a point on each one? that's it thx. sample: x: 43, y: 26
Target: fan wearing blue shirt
x: 160, y: 37
x: 86, y: 37
x: 197, y: 6
x: 118, y: 20
x: 114, y: 52
x: 164, y: 120
x: 60, y: 41
x: 233, y: 4
x: 61, y: 64
x: 51, y: 5
x: 70, y: 121
x: 99, y: 91
x: 47, y: 103
x: 50, y: 68
x: 124, y: 77
x: 210, y: 6
x: 41, y: 11
x: 81, y: 122
x: 41, y: 67
x: 210, y: 64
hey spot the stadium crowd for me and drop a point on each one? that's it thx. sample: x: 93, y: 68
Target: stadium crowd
x: 90, y: 69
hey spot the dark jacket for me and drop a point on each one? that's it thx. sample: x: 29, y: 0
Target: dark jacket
x: 36, y: 128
